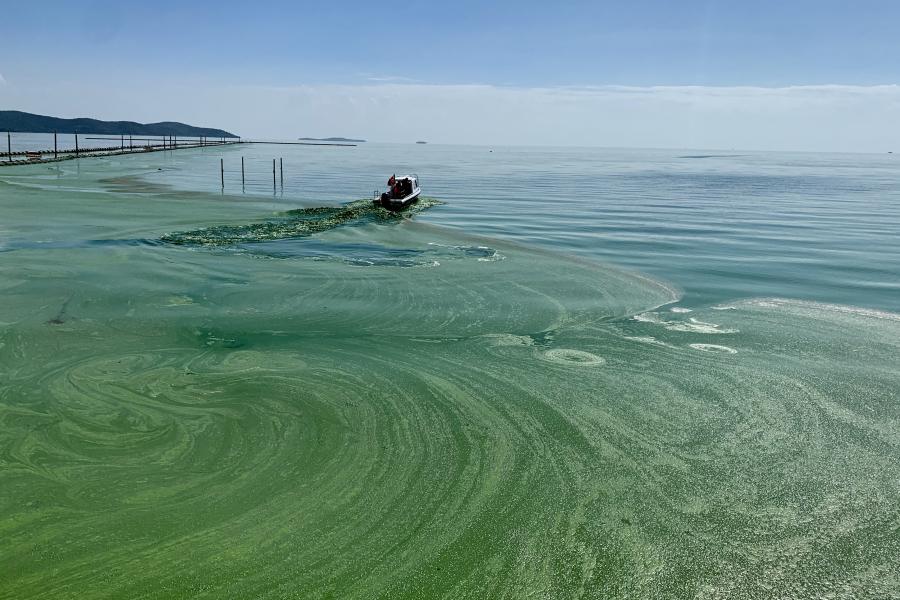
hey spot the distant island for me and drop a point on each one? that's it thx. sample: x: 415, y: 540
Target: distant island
x: 421, y: 142
x: 329, y: 139
x: 23, y: 122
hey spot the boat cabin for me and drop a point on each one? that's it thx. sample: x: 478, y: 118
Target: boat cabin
x: 401, y: 192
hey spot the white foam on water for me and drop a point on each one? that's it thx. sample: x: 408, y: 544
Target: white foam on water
x: 766, y: 304
x: 713, y: 348
x: 508, y: 339
x: 692, y: 325
x: 697, y: 326
x: 649, y: 339
x: 647, y: 317
x: 820, y: 306
x: 680, y: 309
x: 578, y: 358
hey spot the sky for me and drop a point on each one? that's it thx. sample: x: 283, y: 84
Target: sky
x: 787, y: 75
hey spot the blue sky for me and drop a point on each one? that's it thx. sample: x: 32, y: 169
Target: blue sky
x: 59, y: 56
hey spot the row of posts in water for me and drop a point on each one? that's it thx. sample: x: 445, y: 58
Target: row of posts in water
x: 280, y: 172
x: 165, y: 142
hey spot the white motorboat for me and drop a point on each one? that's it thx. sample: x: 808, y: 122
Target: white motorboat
x: 401, y: 192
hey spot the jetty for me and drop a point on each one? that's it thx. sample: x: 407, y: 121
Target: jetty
x: 126, y: 145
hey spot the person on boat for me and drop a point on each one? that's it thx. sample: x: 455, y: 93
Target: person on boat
x: 394, y: 187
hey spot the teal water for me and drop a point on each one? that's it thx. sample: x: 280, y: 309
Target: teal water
x: 566, y: 373
x: 718, y: 224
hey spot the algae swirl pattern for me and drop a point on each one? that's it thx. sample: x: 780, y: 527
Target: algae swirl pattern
x: 500, y: 422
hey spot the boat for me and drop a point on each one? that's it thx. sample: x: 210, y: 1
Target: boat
x: 421, y: 142
x: 401, y: 192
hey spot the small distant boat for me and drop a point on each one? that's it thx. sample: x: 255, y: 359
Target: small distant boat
x: 421, y: 142
x: 401, y: 192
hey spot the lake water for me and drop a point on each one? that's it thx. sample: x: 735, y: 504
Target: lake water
x: 565, y: 373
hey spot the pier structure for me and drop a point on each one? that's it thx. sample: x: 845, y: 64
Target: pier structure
x: 124, y: 145
x: 136, y: 145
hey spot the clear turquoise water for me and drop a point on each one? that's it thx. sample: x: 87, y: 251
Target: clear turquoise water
x: 567, y: 373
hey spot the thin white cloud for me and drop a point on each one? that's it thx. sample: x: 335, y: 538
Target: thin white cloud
x: 824, y: 117
x: 2, y: 80
x: 390, y: 79
x: 833, y: 117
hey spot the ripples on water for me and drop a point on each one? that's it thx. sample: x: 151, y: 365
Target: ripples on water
x: 208, y: 395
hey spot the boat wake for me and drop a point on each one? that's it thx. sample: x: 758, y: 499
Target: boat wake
x: 301, y: 222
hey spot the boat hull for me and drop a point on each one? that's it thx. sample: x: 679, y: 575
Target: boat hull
x: 397, y: 203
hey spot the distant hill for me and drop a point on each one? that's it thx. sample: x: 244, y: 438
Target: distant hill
x: 14, y: 120
x: 331, y: 139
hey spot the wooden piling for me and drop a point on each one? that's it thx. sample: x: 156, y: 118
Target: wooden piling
x: 9, y: 146
x: 54, y: 145
x: 76, y: 143
x: 281, y: 170
x: 274, y: 188
x: 222, y: 171
x: 242, y: 172
x: 130, y: 143
x: 122, y: 142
